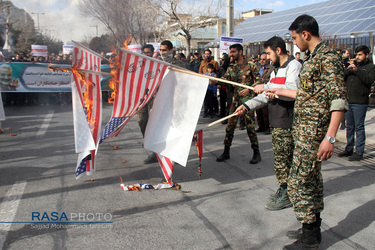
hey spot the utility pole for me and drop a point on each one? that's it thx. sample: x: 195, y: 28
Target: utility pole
x: 96, y: 26
x: 37, y: 14
x: 230, y: 16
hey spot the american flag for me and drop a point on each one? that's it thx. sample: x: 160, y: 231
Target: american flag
x: 138, y: 79
x: 87, y: 106
x: 199, y: 138
x: 166, y: 166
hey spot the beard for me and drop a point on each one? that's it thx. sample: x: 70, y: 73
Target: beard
x: 276, y: 64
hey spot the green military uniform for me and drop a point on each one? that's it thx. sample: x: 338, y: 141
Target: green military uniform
x: 320, y: 91
x: 246, y: 74
x: 282, y: 146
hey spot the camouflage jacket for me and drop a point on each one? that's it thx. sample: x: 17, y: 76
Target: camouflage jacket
x: 246, y: 74
x: 320, y: 91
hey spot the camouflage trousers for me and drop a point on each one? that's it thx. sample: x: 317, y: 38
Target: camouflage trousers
x: 305, y: 181
x: 282, y: 146
x: 143, y: 116
x: 249, y: 123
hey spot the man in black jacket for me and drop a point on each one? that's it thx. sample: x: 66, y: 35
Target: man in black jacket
x: 359, y: 76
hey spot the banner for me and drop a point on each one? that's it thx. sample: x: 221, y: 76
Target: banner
x: 226, y: 42
x: 67, y: 49
x: 36, y: 77
x: 39, y: 50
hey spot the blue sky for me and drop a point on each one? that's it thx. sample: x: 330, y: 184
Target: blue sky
x: 63, y: 20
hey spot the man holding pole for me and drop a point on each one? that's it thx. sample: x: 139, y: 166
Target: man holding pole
x: 284, y: 75
x: 246, y: 73
x: 318, y: 110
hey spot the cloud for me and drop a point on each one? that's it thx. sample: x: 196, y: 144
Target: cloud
x: 276, y: 3
x: 62, y: 19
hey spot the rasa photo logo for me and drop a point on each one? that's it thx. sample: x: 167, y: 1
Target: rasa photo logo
x: 58, y: 220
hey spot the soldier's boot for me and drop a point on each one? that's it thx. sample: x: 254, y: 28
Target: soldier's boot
x: 280, y: 202
x: 151, y: 159
x: 297, y: 234
x: 308, y: 240
x: 225, y: 155
x: 256, y: 157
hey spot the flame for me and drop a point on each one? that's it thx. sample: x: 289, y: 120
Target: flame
x: 115, y: 68
x: 88, y: 104
x: 128, y: 40
x: 115, y: 65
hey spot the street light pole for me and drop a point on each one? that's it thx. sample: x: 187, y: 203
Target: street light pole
x: 37, y: 14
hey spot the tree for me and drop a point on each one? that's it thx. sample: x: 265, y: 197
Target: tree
x: 124, y: 18
x: 188, y: 15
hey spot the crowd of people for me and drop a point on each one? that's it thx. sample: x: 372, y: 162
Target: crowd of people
x: 300, y: 102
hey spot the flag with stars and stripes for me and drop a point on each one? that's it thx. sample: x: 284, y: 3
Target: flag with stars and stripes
x: 87, y: 106
x: 137, y: 80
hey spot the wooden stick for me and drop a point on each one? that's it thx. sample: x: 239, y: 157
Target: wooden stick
x: 209, y: 77
x: 53, y: 67
x: 216, y: 122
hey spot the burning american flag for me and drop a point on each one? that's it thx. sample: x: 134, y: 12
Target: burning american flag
x: 87, y: 106
x: 138, y: 78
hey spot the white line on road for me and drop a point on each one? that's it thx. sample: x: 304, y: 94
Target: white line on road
x: 8, y: 209
x: 45, y: 124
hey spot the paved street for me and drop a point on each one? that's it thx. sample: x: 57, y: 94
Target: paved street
x: 222, y: 210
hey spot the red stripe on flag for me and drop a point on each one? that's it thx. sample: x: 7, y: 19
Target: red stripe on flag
x: 167, y: 168
x: 278, y: 80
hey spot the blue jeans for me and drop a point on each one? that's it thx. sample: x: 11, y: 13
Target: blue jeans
x: 355, y: 122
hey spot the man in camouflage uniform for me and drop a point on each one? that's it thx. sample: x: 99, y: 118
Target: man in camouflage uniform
x: 244, y: 72
x: 319, y: 107
x: 167, y: 54
x: 284, y: 75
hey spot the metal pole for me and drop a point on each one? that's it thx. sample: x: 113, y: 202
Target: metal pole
x: 230, y: 20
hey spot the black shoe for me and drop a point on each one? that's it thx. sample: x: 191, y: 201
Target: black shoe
x: 225, y: 155
x: 297, y: 234
x: 242, y: 127
x: 308, y: 240
x: 346, y: 153
x: 256, y: 157
x: 260, y: 130
x: 224, y: 122
x: 151, y: 159
x: 342, y: 127
x: 355, y: 157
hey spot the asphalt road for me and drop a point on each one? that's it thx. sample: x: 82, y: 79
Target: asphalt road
x: 222, y: 210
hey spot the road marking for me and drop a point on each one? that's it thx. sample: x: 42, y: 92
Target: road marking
x: 45, y: 124
x: 8, y: 209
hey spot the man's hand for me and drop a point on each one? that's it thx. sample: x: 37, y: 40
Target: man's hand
x: 325, y: 150
x: 352, y: 67
x: 244, y: 92
x: 259, y: 88
x: 241, y: 110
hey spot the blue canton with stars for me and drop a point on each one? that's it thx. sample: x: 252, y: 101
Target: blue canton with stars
x: 113, y: 124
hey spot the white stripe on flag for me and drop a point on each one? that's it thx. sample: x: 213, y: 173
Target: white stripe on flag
x: 166, y: 166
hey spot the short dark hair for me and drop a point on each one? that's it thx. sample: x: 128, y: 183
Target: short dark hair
x: 210, y: 66
x: 362, y: 48
x: 208, y: 51
x: 297, y: 53
x: 167, y: 43
x: 196, y: 54
x: 274, y: 43
x: 263, y: 53
x: 182, y: 55
x: 236, y: 46
x: 305, y: 23
x: 148, y: 46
